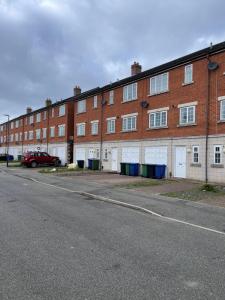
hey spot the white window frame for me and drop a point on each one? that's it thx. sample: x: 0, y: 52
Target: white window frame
x: 129, y: 120
x: 111, y: 97
x: 194, y: 114
x: 62, y: 110
x: 222, y: 103
x: 153, y: 115
x: 38, y: 134
x: 52, y: 112
x: 61, y: 130
x: 31, y: 135
x: 130, y: 92
x: 81, y: 129
x: 187, y: 69
x: 194, y: 148
x: 217, y: 152
x: 111, y: 125
x: 95, y: 101
x: 81, y: 106
x: 44, y: 115
x: 17, y: 124
x: 16, y: 137
x: 156, y: 84
x: 21, y: 136
x: 11, y: 125
x: 44, y: 133
x: 38, y: 117
x: 94, y: 127
x: 31, y: 119
x: 25, y: 135
x: 52, y: 131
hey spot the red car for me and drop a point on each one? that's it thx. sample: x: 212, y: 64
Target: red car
x: 34, y: 159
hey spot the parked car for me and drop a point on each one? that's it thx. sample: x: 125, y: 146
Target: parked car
x: 34, y: 159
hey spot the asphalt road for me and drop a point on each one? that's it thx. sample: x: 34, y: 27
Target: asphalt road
x: 59, y: 245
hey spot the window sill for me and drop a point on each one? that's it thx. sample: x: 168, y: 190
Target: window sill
x: 153, y: 128
x: 79, y: 113
x: 61, y: 116
x: 94, y: 134
x: 111, y: 104
x: 110, y: 132
x: 152, y: 95
x: 196, y: 165
x: 219, y: 166
x: 81, y: 135
x: 220, y: 121
x: 188, y: 83
x: 128, y: 101
x: 186, y: 125
x: 127, y: 131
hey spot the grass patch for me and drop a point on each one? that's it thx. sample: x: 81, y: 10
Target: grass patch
x: 144, y: 183
x: 16, y: 165
x: 53, y: 170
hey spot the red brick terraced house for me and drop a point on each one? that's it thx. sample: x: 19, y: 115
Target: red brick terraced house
x: 49, y: 129
x: 172, y: 114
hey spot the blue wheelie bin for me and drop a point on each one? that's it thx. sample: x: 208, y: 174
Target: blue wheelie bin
x: 160, y: 171
x: 90, y: 164
x: 133, y: 169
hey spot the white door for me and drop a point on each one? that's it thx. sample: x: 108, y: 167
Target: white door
x: 180, y: 162
x: 114, y: 159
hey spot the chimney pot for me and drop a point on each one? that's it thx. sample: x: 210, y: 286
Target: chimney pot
x: 77, y: 90
x: 48, y: 102
x: 29, y: 110
x: 135, y: 68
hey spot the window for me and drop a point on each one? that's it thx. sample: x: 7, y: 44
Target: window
x: 17, y: 123
x: 95, y: 102
x: 129, y: 123
x: 81, y: 129
x: 81, y: 106
x: 217, y: 154
x: 111, y: 97
x: 16, y: 137
x: 130, y: 92
x: 195, y: 152
x: 38, y: 134
x: 158, y: 119
x: 94, y: 127
x: 52, y: 131
x: 159, y: 84
x: 44, y: 115
x: 111, y: 125
x: 21, y: 136
x: 25, y: 135
x: 187, y: 115
x: 1, y: 128
x: 38, y: 117
x: 62, y: 110
x: 11, y: 137
x: 44, y: 133
x: 31, y: 135
x: 61, y: 130
x: 105, y: 154
x: 188, y: 74
x: 52, y: 112
x: 11, y: 125
x: 222, y: 110
x: 31, y: 119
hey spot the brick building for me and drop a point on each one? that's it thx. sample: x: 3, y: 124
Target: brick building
x: 173, y: 114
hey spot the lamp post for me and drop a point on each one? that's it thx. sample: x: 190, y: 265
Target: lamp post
x: 7, y: 141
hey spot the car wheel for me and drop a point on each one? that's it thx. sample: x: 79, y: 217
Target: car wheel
x: 34, y: 164
x: 57, y: 163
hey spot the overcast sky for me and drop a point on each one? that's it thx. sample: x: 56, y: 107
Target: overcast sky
x: 49, y: 46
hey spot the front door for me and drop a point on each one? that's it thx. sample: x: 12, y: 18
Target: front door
x: 114, y: 159
x: 180, y: 162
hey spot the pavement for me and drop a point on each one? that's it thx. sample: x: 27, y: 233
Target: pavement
x: 57, y: 244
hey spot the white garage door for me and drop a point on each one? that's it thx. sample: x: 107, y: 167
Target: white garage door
x: 80, y: 154
x: 130, y: 155
x: 156, y: 155
x: 61, y: 153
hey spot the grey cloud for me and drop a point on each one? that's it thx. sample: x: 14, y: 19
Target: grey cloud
x: 48, y: 46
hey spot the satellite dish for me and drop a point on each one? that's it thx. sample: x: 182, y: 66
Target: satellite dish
x: 212, y: 66
x: 144, y: 104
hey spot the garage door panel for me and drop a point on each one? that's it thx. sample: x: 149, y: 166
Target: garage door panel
x: 156, y: 155
x: 130, y: 155
x: 80, y: 154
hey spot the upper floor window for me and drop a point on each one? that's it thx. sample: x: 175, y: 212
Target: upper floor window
x: 188, y: 74
x: 31, y: 135
x: 12, y: 125
x: 61, y: 130
x: 111, y: 125
x: 38, y: 134
x: 95, y: 102
x: 94, y: 127
x: 158, y: 119
x: 38, y: 117
x: 31, y: 119
x: 195, y: 152
x: 52, y: 112
x: 52, y: 131
x: 25, y: 135
x: 1, y: 128
x: 21, y: 136
x: 44, y: 133
x: 111, y: 97
x: 129, y: 122
x: 44, y: 115
x: 11, y: 137
x: 187, y: 115
x: 62, y: 110
x: 81, y: 129
x: 16, y: 137
x: 217, y: 154
x: 17, y: 123
x: 81, y: 106
x: 130, y: 92
x: 222, y: 110
x: 159, y: 84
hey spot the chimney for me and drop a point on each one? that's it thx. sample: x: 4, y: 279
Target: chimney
x: 48, y: 102
x: 29, y: 110
x: 77, y: 90
x: 135, y: 68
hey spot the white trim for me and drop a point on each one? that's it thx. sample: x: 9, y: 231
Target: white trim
x: 111, y: 118
x: 221, y: 98
x: 188, y: 104
x: 158, y: 109
x: 80, y: 124
x: 94, y: 121
x: 129, y: 115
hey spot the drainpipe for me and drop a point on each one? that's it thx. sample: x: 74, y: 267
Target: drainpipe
x: 101, y: 129
x: 207, y: 122
x: 47, y: 130
x: 22, y: 136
